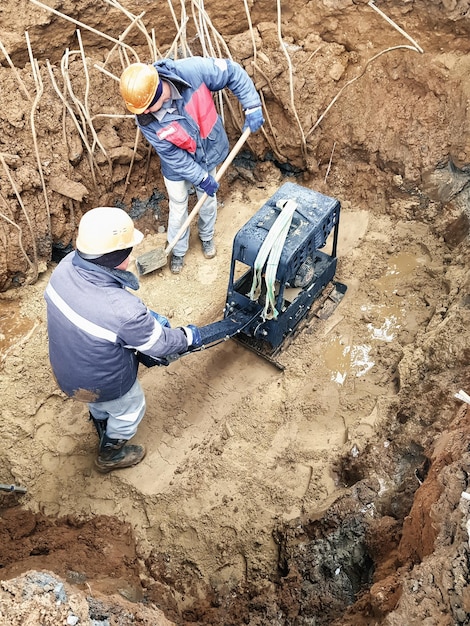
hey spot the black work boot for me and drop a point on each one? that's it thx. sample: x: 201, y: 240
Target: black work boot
x: 100, y: 426
x: 114, y: 454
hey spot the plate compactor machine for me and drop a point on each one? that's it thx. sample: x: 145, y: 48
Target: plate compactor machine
x: 279, y: 278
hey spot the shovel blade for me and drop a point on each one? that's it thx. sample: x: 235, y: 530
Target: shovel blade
x: 151, y: 261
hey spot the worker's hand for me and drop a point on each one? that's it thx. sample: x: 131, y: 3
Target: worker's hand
x: 164, y: 321
x: 253, y: 119
x: 193, y: 335
x: 209, y: 185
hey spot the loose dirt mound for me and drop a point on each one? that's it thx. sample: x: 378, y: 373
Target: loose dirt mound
x: 329, y: 491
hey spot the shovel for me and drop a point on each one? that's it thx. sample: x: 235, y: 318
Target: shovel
x: 154, y: 259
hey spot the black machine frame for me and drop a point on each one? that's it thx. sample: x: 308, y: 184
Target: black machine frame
x: 315, y: 217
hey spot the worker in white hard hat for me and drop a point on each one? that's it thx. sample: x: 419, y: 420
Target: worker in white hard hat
x: 175, y: 111
x: 97, y: 329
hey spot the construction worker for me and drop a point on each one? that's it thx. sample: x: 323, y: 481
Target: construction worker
x: 175, y: 111
x: 98, y: 329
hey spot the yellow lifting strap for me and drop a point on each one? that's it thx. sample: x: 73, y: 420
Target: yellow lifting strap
x: 269, y: 254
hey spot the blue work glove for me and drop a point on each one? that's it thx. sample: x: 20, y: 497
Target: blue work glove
x: 193, y: 335
x: 164, y: 321
x: 253, y: 119
x: 209, y: 185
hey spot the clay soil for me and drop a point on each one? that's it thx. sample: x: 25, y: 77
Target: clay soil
x: 332, y: 492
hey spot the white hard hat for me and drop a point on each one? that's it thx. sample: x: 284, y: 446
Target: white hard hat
x: 106, y: 229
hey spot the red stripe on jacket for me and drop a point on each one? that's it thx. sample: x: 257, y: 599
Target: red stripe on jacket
x: 202, y: 109
x: 176, y: 134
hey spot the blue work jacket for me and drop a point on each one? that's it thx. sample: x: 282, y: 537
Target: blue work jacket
x: 95, y: 326
x: 191, y: 140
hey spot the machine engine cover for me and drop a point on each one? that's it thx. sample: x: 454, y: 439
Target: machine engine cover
x: 313, y: 220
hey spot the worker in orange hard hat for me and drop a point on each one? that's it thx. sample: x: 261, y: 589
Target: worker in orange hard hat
x: 175, y: 111
x: 98, y: 329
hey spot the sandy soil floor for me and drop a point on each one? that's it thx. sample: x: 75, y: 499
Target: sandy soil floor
x: 330, y: 490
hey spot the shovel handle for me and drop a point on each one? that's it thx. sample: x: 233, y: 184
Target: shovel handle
x: 220, y: 172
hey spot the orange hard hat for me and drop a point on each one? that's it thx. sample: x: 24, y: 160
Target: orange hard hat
x: 138, y: 85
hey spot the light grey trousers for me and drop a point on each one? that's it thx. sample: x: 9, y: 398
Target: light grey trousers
x: 123, y: 414
x: 178, y: 195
